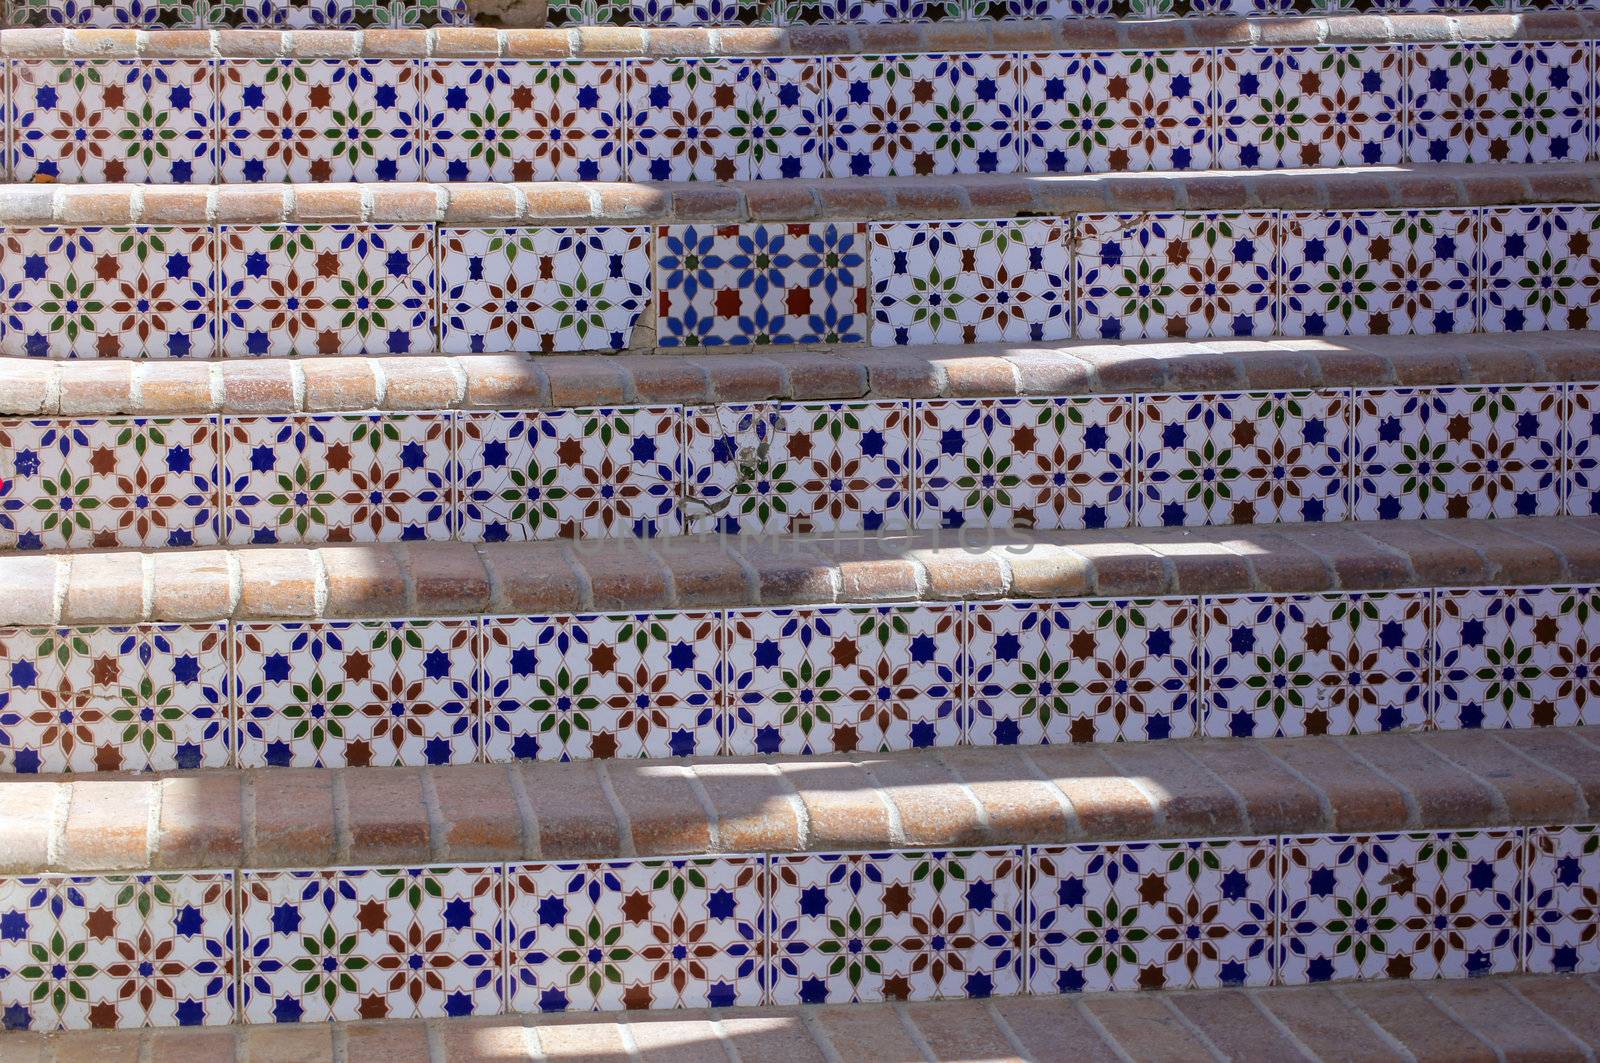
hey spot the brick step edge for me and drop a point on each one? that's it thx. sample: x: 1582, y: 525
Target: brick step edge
x: 826, y: 199
x: 408, y: 580
x: 348, y: 384
x: 610, y: 42
x: 1546, y: 1017
x: 1005, y: 795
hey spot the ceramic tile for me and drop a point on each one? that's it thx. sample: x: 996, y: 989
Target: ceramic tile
x: 595, y: 473
x: 1457, y: 452
x: 1500, y: 102
x: 1563, y: 891
x: 109, y: 483
x: 637, y: 934
x: 970, y: 281
x: 521, y: 120
x: 1539, y: 268
x: 870, y: 679
x: 371, y: 944
x: 1159, y: 276
x: 681, y: 118
x: 545, y: 291
x: 1291, y: 665
x: 1082, y: 671
x: 1581, y: 442
x: 1296, y: 107
x: 591, y: 687
x: 339, y: 478
x: 1378, y: 273
x: 1024, y: 463
x: 144, y: 698
x: 1441, y: 905
x: 327, y: 289
x: 120, y: 951
x: 870, y: 12
x: 1112, y: 112
x: 906, y: 115
x: 145, y: 121
x: 1517, y: 657
x: 742, y: 285
x: 307, y: 120
x: 108, y: 293
x: 908, y: 925
x: 783, y: 128
x: 367, y: 694
x: 800, y: 468
x: 1243, y: 458
x: 1152, y: 915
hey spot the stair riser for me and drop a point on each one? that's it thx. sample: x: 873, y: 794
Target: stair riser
x: 935, y: 924
x: 794, y: 681
x: 316, y: 14
x: 1224, y: 458
x: 153, y: 292
x: 233, y: 120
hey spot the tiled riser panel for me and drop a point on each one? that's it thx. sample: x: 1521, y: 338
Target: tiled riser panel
x: 798, y: 681
x: 1105, y: 462
x: 199, y: 121
x: 310, y: 946
x: 278, y: 14
x: 292, y: 291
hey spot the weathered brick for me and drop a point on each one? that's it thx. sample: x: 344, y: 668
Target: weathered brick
x: 292, y: 818
x: 27, y: 818
x: 103, y: 589
x: 1358, y: 798
x: 418, y: 383
x: 98, y: 388
x: 756, y: 812
x: 386, y: 821
x: 277, y: 584
x: 866, y: 1035
x: 571, y: 809
x: 191, y: 585
x: 664, y: 814
x: 1562, y: 751
x: 1231, y: 1022
x: 107, y: 825
x: 1144, y: 1028
x: 704, y: 572
x: 363, y: 580
x: 1529, y: 793
x: 1445, y: 795
x: 478, y: 813
x: 201, y: 821
x: 1325, y: 1024
x: 1104, y: 803
x: 772, y: 1039
x: 1191, y: 801
x: 933, y: 808
x: 1276, y: 802
x: 1054, y: 1027
x: 844, y: 810
x: 959, y: 1029
x: 391, y: 1041
x: 1406, y: 1014
x: 1503, y: 1020
x: 536, y: 578
x: 446, y: 579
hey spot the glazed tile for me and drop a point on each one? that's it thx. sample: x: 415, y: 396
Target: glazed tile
x: 1299, y: 107
x: 1580, y: 490
x: 1539, y: 268
x: 145, y: 698
x: 1503, y: 101
x: 1563, y: 921
x: 682, y: 114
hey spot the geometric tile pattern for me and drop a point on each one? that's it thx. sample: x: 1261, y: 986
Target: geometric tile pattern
x: 302, y: 290
x: 1292, y: 107
x: 270, y: 14
x: 814, y: 928
x: 1523, y: 101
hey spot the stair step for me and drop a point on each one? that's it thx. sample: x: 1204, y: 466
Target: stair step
x: 1508, y: 1017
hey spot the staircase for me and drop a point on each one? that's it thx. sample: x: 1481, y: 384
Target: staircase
x: 799, y: 531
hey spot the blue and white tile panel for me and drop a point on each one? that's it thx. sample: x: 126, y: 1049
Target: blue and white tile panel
x: 273, y: 946
x: 756, y: 118
x: 829, y: 679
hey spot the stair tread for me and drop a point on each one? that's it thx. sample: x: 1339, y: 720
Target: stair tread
x: 960, y: 797
x: 706, y: 571
x: 1504, y: 1016
x: 40, y: 388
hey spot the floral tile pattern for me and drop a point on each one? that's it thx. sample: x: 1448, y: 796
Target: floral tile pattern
x: 682, y: 115
x: 108, y: 293
x: 339, y: 478
x: 763, y: 284
x: 637, y: 934
x: 1297, y: 107
x: 1154, y: 276
x: 970, y: 281
x: 117, y: 951
x: 594, y: 687
x: 319, y: 120
x: 1243, y: 458
x: 1512, y: 101
x: 1435, y: 905
x: 542, y: 290
x: 1457, y: 452
x: 144, y: 698
x: 1581, y: 490
x: 518, y: 120
x: 1517, y: 657
x: 330, y: 289
x: 1378, y: 273
x: 871, y: 679
x: 549, y: 474
x: 146, y: 121
x: 1109, y: 112
x: 1152, y: 915
x: 782, y: 131
x: 154, y: 14
x: 374, y: 693
x: 1024, y: 463
x: 1537, y: 268
x: 1306, y: 664
x: 861, y: 927
x: 1563, y: 891
x: 904, y: 115
x: 1082, y: 671
x: 110, y: 483
x: 770, y: 467
x: 371, y: 944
